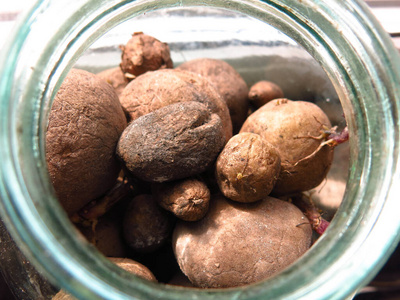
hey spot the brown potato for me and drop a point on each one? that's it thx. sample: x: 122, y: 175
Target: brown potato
x: 295, y: 128
x: 85, y: 123
x: 173, y: 142
x: 187, y: 199
x: 241, y: 243
x: 134, y: 267
x: 264, y: 91
x: 127, y: 264
x: 228, y: 83
x: 146, y: 226
x: 116, y: 78
x: 157, y: 89
x: 247, y: 168
x: 144, y: 53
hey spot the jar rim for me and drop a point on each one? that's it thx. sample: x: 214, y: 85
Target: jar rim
x: 344, y: 38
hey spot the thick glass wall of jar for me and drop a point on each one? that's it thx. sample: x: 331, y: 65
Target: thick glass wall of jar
x: 333, y: 54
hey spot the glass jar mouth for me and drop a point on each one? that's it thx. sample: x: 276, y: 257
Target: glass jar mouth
x: 344, y: 38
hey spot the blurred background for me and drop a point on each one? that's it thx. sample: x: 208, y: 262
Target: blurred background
x: 386, y: 285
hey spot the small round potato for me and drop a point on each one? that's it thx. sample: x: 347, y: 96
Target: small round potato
x: 241, y: 243
x: 247, y: 168
x: 144, y: 53
x: 188, y: 199
x: 264, y: 91
x: 296, y: 129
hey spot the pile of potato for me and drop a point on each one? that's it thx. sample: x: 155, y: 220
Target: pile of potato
x: 186, y: 170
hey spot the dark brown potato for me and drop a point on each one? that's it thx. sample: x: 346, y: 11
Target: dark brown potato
x: 85, y: 123
x: 157, y: 89
x: 173, y: 142
x: 228, y: 83
x: 188, y: 199
x: 294, y: 128
x: 144, y: 53
x: 116, y: 78
x: 146, y: 226
x: 247, y: 168
x: 264, y: 91
x: 241, y: 243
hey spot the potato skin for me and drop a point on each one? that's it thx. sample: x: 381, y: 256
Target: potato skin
x: 144, y: 53
x: 240, y: 243
x: 188, y: 199
x: 173, y: 142
x: 127, y: 264
x: 228, y: 83
x: 146, y: 226
x: 247, y: 168
x: 264, y: 91
x: 115, y: 77
x: 290, y: 126
x: 153, y: 90
x: 134, y: 267
x: 84, y: 126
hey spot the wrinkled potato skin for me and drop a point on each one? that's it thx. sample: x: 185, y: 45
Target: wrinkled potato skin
x: 187, y: 199
x: 173, y: 142
x: 290, y: 126
x: 146, y: 226
x: 115, y: 77
x: 160, y: 88
x: 144, y: 53
x: 264, y: 91
x: 240, y: 243
x: 85, y: 123
x: 228, y: 83
x: 247, y: 168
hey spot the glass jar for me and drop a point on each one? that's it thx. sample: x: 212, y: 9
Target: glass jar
x: 356, y: 55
